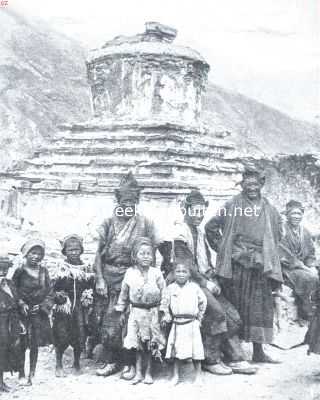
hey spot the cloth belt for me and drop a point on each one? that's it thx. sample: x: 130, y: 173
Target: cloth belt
x: 189, y: 318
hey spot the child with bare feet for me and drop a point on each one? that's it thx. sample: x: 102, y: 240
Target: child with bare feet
x: 141, y: 291
x: 184, y: 305
x: 33, y: 285
x: 72, y: 282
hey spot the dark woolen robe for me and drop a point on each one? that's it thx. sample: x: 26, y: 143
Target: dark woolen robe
x: 36, y: 292
x: 297, y: 247
x: 11, y: 329
x: 116, y: 238
x: 248, y: 262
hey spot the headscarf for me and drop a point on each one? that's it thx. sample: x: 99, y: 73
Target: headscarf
x: 142, y: 241
x: 293, y: 205
x: 69, y: 240
x: 128, y: 188
x: 30, y: 244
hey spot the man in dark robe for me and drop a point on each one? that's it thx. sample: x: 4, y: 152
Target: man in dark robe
x: 297, y: 255
x: 116, y: 237
x: 221, y: 322
x: 246, y: 234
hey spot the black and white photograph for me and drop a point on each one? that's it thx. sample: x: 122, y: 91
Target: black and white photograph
x: 160, y: 200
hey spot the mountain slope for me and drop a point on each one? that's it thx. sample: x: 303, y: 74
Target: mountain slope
x: 256, y: 128
x: 42, y: 83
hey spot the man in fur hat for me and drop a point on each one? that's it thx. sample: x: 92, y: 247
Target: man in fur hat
x: 116, y: 237
x: 246, y: 234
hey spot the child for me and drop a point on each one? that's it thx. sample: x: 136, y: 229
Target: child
x: 11, y: 328
x: 73, y: 285
x: 36, y: 300
x: 142, y: 289
x: 184, y: 305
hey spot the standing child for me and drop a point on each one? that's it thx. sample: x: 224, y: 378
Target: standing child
x: 11, y: 328
x: 73, y: 285
x: 184, y: 305
x: 36, y: 300
x: 141, y: 295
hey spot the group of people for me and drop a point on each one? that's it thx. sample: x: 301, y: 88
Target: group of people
x: 216, y: 286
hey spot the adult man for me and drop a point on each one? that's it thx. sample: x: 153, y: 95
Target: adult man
x: 298, y: 259
x: 246, y: 234
x: 221, y: 321
x: 113, y: 257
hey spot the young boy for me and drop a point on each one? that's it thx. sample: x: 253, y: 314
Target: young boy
x: 184, y: 304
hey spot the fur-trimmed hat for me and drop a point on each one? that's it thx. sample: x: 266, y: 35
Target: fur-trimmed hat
x: 195, y: 197
x: 293, y: 204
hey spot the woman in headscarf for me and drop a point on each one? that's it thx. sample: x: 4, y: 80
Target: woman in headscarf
x: 116, y: 237
x: 298, y: 258
x: 36, y: 300
x: 73, y: 286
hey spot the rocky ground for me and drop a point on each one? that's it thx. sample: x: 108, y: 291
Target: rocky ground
x: 297, y: 378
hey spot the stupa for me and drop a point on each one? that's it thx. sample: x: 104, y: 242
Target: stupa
x: 146, y: 103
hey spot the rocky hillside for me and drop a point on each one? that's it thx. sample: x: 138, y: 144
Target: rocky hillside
x: 43, y: 83
x: 256, y: 128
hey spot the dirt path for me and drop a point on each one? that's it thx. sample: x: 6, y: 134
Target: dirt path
x: 295, y: 379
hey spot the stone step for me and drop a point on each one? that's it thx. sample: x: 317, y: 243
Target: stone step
x: 108, y: 166
x: 108, y: 169
x: 129, y: 157
x: 90, y: 138
x: 98, y: 146
x: 99, y: 149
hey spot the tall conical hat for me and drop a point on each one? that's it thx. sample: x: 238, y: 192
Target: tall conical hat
x: 128, y: 187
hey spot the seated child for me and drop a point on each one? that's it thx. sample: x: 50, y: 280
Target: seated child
x: 141, y: 291
x: 184, y: 305
x: 33, y: 285
x: 73, y: 286
x: 11, y: 329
